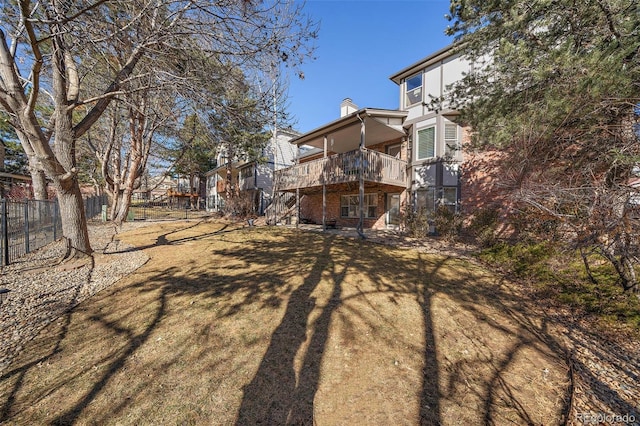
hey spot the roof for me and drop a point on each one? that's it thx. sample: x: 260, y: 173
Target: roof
x: 343, y: 134
x: 15, y: 176
x: 288, y: 131
x: 423, y: 63
x: 309, y: 152
x: 235, y: 165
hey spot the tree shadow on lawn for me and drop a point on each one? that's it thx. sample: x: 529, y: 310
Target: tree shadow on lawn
x: 364, y: 332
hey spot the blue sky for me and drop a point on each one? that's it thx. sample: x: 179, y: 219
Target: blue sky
x: 361, y: 43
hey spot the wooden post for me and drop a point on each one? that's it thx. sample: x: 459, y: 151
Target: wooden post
x: 360, y: 227
x: 324, y: 191
x: 297, y: 207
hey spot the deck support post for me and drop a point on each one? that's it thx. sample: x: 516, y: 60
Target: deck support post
x: 324, y: 191
x: 297, y: 207
x: 360, y: 227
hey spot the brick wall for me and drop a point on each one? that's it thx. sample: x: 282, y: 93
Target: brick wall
x: 482, y: 188
x: 311, y: 209
x: 311, y: 204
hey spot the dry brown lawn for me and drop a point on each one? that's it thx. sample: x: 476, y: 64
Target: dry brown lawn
x: 231, y: 325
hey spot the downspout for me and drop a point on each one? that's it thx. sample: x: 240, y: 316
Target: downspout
x: 360, y: 227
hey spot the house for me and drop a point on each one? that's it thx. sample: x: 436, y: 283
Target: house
x: 433, y: 128
x: 358, y: 160
x: 175, y: 192
x: 15, y: 186
x: 252, y: 180
x: 371, y: 164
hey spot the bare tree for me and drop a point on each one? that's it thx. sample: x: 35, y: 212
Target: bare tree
x: 52, y: 52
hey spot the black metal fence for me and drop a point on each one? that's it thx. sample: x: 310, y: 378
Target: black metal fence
x: 30, y: 224
x: 164, y: 210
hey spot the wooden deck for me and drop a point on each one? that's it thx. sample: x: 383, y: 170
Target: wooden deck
x: 341, y: 168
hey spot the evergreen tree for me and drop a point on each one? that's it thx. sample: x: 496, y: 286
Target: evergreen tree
x: 13, y: 158
x: 196, y: 152
x: 555, y: 85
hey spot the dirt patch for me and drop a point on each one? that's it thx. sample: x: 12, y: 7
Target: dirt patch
x: 229, y: 324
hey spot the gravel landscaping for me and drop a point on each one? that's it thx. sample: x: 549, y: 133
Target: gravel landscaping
x: 41, y: 291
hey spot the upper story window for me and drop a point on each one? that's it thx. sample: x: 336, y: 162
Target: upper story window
x: 426, y: 143
x: 451, y: 140
x: 247, y: 172
x: 413, y: 87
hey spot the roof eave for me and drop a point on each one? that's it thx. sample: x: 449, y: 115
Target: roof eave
x: 347, y: 120
x: 424, y: 62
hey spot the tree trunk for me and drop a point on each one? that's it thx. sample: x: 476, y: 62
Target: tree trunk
x: 74, y: 223
x: 624, y: 268
x: 39, y: 184
x: 113, y: 202
x: 630, y: 281
x: 587, y: 267
x: 124, y: 200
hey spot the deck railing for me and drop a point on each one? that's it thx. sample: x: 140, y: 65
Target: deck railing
x: 341, y: 168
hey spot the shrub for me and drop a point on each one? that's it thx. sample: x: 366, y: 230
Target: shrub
x: 447, y: 223
x: 415, y: 222
x: 483, y: 226
x: 241, y: 206
x: 524, y: 260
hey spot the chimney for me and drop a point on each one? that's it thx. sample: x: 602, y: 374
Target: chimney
x: 347, y: 107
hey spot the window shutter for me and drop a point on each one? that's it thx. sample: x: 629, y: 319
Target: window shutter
x: 426, y: 143
x: 451, y: 138
x: 451, y: 131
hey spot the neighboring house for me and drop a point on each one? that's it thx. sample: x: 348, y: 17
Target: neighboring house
x: 172, y: 192
x: 371, y: 164
x: 15, y: 186
x: 251, y: 179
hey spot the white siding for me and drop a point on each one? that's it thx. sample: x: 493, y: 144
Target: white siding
x: 436, y: 78
x: 453, y: 69
x: 264, y: 180
x: 433, y: 79
x: 282, y: 153
x: 415, y: 111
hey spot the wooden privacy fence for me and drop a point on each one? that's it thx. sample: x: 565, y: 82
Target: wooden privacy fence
x: 27, y: 225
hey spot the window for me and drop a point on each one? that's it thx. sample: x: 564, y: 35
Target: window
x: 426, y: 143
x: 394, y: 150
x: 426, y: 200
x: 349, y: 206
x: 450, y: 198
x: 413, y: 87
x: 451, y: 143
x: 247, y: 172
